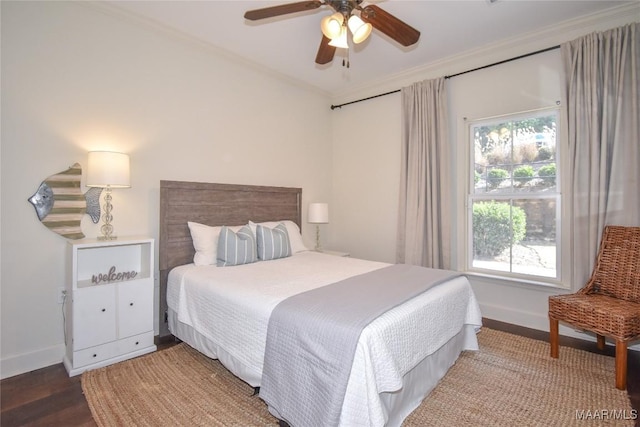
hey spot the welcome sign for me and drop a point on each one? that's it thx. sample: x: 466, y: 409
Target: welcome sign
x: 113, y: 276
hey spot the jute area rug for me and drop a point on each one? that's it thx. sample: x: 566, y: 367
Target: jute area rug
x: 511, y: 381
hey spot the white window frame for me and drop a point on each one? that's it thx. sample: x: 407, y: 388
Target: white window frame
x: 465, y: 253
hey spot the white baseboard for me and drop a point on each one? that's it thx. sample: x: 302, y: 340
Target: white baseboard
x: 27, y: 362
x: 535, y: 321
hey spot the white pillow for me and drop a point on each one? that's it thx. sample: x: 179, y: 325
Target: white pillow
x: 295, y: 238
x: 205, y: 241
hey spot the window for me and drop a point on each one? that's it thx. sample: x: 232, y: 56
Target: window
x: 514, y: 198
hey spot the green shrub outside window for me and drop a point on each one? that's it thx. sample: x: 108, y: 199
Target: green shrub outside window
x: 496, y: 226
x: 496, y: 176
x: 523, y: 174
x: 548, y: 173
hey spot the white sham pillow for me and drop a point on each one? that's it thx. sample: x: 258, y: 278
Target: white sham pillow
x: 295, y: 238
x: 205, y: 241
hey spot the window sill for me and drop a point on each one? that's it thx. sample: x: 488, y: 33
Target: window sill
x: 550, y: 288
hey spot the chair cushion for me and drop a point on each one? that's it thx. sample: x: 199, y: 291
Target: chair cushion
x: 602, y: 314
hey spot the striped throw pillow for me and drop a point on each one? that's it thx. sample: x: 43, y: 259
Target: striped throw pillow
x: 273, y: 243
x: 236, y: 248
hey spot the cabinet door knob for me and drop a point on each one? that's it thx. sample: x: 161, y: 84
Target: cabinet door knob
x: 137, y: 342
x: 95, y: 355
x: 131, y: 304
x: 104, y: 309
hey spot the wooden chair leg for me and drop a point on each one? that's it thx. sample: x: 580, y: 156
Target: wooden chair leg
x: 600, y: 341
x: 621, y: 365
x: 553, y: 337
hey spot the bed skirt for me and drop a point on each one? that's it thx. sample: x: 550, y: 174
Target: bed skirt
x: 417, y: 383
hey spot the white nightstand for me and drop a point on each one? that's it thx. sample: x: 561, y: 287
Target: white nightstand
x: 335, y: 253
x: 108, y: 302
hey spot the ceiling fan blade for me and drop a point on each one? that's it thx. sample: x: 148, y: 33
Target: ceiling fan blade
x: 283, y: 9
x: 325, y: 51
x: 390, y: 25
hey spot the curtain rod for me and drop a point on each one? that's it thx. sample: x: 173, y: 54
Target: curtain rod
x: 333, y: 107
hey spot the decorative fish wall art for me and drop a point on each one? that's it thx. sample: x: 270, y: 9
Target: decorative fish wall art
x: 60, y: 204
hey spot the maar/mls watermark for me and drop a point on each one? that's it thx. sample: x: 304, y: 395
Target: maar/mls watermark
x: 606, y: 414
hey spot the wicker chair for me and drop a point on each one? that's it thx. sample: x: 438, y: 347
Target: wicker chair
x: 609, y: 304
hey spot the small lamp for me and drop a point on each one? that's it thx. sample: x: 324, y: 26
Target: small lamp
x: 318, y: 214
x: 108, y: 170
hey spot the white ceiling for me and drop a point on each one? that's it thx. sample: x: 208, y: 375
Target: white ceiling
x: 288, y: 44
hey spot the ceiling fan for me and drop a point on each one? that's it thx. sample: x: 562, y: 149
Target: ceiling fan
x: 334, y: 27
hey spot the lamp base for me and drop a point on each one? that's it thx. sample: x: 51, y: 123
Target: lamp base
x: 318, y: 248
x: 107, y: 228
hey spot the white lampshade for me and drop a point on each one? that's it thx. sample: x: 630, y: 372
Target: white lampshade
x: 341, y: 40
x: 331, y: 25
x: 318, y: 213
x: 359, y: 29
x: 106, y: 168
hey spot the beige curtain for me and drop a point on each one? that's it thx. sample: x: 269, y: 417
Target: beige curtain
x: 602, y: 113
x: 424, y: 219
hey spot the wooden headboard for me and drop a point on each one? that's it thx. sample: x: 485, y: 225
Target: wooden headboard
x: 214, y: 205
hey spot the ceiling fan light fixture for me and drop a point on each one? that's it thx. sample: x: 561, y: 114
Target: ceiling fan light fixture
x: 341, y: 40
x: 359, y: 29
x: 336, y: 26
x: 331, y: 25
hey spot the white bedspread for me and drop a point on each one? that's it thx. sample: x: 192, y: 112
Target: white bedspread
x: 231, y: 306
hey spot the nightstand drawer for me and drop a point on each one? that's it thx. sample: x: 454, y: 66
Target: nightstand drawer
x: 94, y: 354
x: 135, y: 343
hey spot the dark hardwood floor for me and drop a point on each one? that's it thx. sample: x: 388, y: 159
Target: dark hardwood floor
x: 48, y: 397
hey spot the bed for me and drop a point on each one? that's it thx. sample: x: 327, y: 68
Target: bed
x: 224, y: 312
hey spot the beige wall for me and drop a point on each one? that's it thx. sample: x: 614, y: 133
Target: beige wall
x: 366, y: 178
x: 77, y: 78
